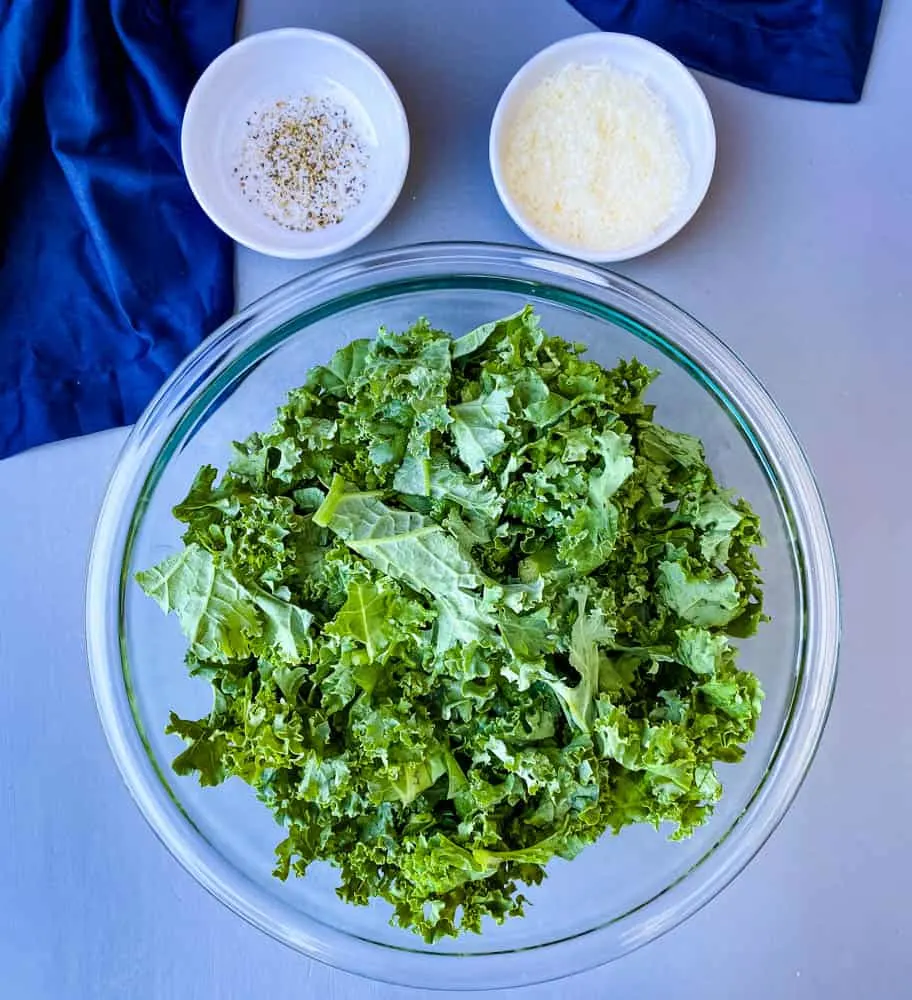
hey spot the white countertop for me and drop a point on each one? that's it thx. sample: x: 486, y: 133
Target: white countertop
x: 801, y: 259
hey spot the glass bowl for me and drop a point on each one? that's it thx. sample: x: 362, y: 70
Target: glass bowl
x: 626, y: 889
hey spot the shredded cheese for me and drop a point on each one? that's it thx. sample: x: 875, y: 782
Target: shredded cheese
x: 592, y: 159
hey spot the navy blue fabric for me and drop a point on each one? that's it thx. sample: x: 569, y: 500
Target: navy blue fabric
x: 109, y: 272
x: 815, y: 49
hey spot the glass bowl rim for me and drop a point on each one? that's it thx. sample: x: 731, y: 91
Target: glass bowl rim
x: 692, y: 346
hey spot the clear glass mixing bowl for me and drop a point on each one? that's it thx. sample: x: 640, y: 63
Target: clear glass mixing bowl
x: 623, y: 891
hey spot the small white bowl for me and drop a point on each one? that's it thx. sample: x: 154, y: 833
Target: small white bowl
x: 277, y: 65
x: 669, y: 79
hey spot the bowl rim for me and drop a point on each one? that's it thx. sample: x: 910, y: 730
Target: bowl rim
x: 699, y: 110
x: 783, y: 460
x: 193, y: 123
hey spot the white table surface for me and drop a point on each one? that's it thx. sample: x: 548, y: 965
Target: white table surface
x: 802, y: 260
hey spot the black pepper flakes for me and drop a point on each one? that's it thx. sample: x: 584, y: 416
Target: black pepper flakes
x: 303, y: 163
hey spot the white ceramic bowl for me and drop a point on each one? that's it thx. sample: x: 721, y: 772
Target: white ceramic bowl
x: 668, y: 78
x: 272, y: 66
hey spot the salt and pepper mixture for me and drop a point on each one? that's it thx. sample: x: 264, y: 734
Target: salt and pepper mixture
x: 303, y: 162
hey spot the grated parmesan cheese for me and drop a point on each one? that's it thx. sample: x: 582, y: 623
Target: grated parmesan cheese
x: 592, y: 158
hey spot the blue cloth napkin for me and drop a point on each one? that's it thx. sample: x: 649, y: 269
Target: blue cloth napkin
x: 109, y: 272
x: 815, y: 49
